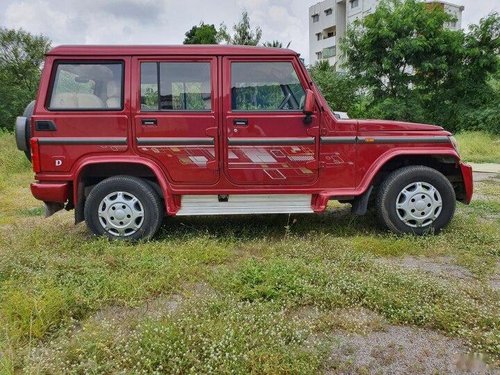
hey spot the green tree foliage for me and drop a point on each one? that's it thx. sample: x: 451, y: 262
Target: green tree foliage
x: 243, y: 33
x: 276, y: 44
x: 339, y: 89
x: 415, y: 69
x: 201, y: 34
x: 21, y: 56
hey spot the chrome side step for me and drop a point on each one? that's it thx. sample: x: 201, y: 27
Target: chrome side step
x: 192, y: 205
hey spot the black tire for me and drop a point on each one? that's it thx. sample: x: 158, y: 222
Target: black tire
x: 399, y: 208
x: 118, y: 191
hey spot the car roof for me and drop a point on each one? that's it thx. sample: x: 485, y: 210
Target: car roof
x: 142, y: 50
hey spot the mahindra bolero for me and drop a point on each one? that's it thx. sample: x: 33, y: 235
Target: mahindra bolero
x: 126, y: 134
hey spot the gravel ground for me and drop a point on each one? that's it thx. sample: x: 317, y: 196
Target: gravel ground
x: 403, y: 350
x: 439, y: 266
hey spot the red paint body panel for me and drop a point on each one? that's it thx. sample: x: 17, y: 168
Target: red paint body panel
x: 51, y: 192
x: 386, y: 125
x: 468, y: 181
x: 324, y: 158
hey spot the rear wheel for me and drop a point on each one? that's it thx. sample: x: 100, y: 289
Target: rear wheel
x: 416, y: 199
x: 123, y: 207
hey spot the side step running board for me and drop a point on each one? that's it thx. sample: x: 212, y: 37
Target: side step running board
x: 192, y: 205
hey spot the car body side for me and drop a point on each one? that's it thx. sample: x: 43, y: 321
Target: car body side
x: 352, y: 156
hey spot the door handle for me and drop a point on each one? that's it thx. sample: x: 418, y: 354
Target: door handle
x: 240, y: 122
x: 149, y: 121
x: 45, y: 126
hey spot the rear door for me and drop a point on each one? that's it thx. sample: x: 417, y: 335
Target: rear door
x: 175, y: 116
x: 84, y: 112
x: 266, y: 141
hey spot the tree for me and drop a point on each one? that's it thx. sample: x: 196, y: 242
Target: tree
x: 416, y: 69
x: 201, y: 34
x: 276, y: 44
x: 339, y: 89
x: 21, y: 57
x: 472, y: 93
x: 243, y: 33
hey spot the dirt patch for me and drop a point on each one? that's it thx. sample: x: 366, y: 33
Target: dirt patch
x: 495, y: 279
x: 482, y: 176
x: 402, y: 350
x: 483, y: 184
x: 154, y: 308
x: 439, y: 266
x: 350, y: 320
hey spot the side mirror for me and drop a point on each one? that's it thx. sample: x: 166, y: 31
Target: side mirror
x: 308, y: 106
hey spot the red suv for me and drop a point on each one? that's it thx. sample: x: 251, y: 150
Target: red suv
x: 125, y: 134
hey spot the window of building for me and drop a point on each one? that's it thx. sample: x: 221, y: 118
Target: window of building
x: 315, y: 17
x: 87, y: 86
x: 354, y: 3
x: 329, y: 52
x: 328, y: 11
x: 330, y: 32
x: 182, y: 86
x: 319, y: 55
x: 318, y: 36
x: 265, y: 86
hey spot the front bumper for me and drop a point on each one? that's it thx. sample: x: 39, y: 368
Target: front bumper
x: 468, y: 181
x: 51, y: 192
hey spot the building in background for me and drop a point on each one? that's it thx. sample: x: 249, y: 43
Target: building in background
x: 329, y: 19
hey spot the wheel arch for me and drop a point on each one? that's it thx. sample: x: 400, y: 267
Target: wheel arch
x: 91, y: 171
x: 444, y: 161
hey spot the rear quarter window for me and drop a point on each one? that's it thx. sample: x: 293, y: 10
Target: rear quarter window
x: 87, y: 86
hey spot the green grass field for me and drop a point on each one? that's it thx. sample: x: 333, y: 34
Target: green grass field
x: 479, y: 147
x: 263, y: 295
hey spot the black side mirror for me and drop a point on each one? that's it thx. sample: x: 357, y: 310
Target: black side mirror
x: 308, y: 106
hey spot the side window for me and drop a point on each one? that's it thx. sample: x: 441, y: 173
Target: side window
x: 175, y: 86
x: 265, y: 86
x: 87, y: 86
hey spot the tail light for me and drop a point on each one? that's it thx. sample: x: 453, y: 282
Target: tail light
x: 35, y: 155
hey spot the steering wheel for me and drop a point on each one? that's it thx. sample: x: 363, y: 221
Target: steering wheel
x: 285, y: 101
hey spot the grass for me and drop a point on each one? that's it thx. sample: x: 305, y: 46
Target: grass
x: 479, y: 147
x: 261, y: 295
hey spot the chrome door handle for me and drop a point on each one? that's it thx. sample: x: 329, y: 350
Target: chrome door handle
x: 240, y: 122
x: 149, y: 121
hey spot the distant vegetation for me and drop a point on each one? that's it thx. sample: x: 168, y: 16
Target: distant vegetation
x: 242, y: 33
x: 479, y: 147
x: 21, y: 57
x: 402, y: 63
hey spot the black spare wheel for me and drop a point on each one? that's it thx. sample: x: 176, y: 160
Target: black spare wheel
x: 23, y: 131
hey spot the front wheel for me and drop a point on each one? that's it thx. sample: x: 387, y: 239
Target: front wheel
x: 416, y: 199
x: 123, y: 207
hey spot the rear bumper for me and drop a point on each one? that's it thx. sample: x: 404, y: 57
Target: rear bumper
x: 51, y: 192
x: 468, y: 181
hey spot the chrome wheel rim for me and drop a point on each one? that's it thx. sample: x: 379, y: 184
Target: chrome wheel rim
x: 419, y: 204
x: 121, y: 214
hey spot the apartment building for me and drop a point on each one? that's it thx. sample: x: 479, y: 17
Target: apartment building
x: 329, y: 19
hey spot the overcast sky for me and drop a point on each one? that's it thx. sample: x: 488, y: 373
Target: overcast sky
x: 166, y: 21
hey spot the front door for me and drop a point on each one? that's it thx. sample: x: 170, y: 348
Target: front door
x: 176, y: 116
x: 266, y: 140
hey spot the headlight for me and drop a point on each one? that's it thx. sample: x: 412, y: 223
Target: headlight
x: 454, y: 143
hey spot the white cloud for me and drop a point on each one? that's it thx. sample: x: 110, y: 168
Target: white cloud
x: 166, y: 21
